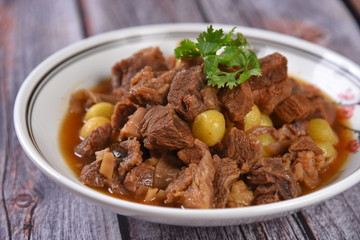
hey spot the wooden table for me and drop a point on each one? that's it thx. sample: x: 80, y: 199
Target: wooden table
x: 33, y: 207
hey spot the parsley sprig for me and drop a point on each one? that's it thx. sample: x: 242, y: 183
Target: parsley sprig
x: 236, y: 53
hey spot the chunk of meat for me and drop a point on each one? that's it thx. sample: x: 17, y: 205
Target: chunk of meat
x: 237, y: 101
x: 147, y: 88
x: 129, y: 154
x: 245, y: 149
x: 305, y: 143
x: 272, y: 181
x: 305, y: 170
x: 209, y: 97
x: 321, y: 107
x: 286, y: 135
x: 259, y: 130
x: 192, y: 154
x: 132, y: 127
x: 296, y: 107
x: 123, y: 71
x: 227, y: 172
x: 193, y: 188
x: 184, y: 92
x: 91, y: 176
x: 162, y: 128
x: 122, y: 110
x: 189, y: 62
x: 141, y: 175
x: 84, y: 99
x: 267, y: 98
x: 273, y: 70
x: 308, y: 161
x: 97, y: 140
x: 293, y: 130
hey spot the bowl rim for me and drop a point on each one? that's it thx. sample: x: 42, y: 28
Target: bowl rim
x: 176, y: 213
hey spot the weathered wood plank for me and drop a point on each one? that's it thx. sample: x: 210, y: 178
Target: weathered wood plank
x: 32, y: 206
x: 281, y: 228
x: 326, y: 22
x: 102, y: 16
x: 6, y: 25
x: 337, y: 218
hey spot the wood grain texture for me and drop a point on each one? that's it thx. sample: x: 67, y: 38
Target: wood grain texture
x: 337, y: 218
x: 32, y: 206
x: 102, y: 16
x: 281, y: 228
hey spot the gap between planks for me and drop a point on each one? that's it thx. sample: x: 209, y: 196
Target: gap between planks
x: 354, y: 9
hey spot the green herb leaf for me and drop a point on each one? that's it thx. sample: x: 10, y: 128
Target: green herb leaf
x: 237, y: 61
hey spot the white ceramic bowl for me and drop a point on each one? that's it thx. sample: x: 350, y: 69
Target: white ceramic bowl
x: 43, y: 100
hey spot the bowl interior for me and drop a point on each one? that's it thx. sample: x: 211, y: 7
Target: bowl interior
x: 49, y: 87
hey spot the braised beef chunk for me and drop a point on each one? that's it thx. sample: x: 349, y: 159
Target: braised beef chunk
x: 97, y: 140
x: 193, y: 188
x: 304, y: 169
x: 308, y: 161
x: 190, y: 62
x: 84, y: 99
x: 91, y: 176
x: 209, y: 97
x: 273, y: 86
x: 147, y: 88
x: 122, y: 110
x: 227, y: 172
x: 273, y: 70
x: 305, y: 143
x: 124, y: 70
x: 237, y: 101
x: 243, y: 148
x: 293, y: 130
x: 296, y: 107
x: 140, y: 175
x: 184, y: 92
x: 132, y: 127
x: 192, y: 154
x: 267, y: 98
x: 272, y: 181
x: 320, y: 106
x: 189, y: 155
x: 323, y: 109
x: 162, y: 128
x: 129, y: 154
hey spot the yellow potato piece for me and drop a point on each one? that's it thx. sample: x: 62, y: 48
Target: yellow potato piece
x: 252, y: 118
x: 91, y: 125
x: 328, y: 149
x: 102, y: 109
x: 321, y: 131
x: 266, y: 121
x: 209, y: 127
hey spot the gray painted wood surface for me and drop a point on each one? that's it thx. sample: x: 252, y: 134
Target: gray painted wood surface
x: 33, y: 207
